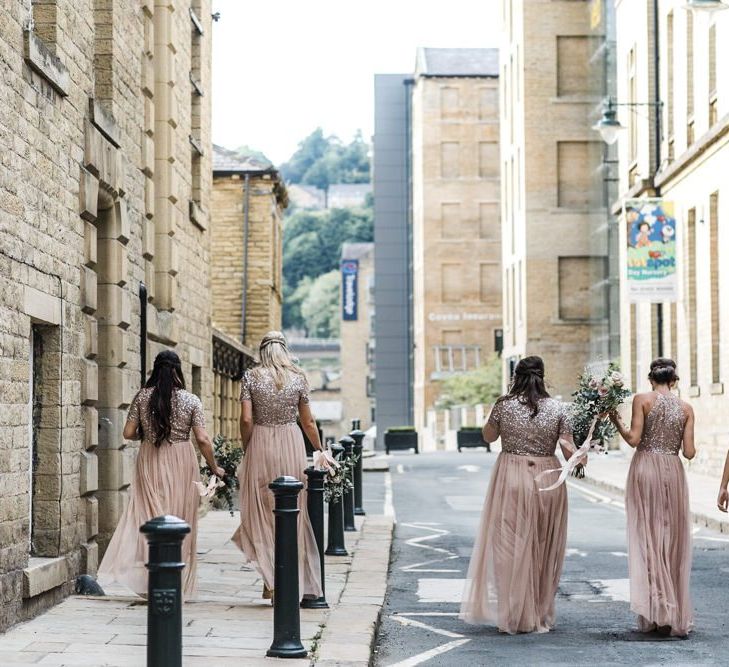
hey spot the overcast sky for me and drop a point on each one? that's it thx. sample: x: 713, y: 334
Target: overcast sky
x: 282, y: 68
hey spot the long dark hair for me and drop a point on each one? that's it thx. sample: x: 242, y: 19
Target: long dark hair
x: 663, y: 371
x: 528, y: 383
x: 166, y: 377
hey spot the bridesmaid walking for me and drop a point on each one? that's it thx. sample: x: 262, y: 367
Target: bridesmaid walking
x: 517, y: 558
x: 162, y: 415
x: 657, y: 505
x: 272, y: 395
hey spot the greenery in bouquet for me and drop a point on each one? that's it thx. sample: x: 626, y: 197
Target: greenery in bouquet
x: 339, y: 480
x: 597, y: 396
x: 228, y: 455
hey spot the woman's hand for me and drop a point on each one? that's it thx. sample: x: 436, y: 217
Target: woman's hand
x: 218, y: 471
x: 722, y: 501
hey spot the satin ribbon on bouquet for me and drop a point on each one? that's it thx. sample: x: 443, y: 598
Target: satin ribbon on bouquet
x: 324, y: 460
x: 213, y: 485
x: 566, y: 470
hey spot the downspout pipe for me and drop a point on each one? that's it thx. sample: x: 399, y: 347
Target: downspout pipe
x: 246, y: 234
x: 657, y: 149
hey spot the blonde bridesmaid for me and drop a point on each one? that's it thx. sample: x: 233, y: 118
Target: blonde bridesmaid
x: 657, y: 505
x: 272, y: 396
x: 162, y: 415
x: 519, y: 550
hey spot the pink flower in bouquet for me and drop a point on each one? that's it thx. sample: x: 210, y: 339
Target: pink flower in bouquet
x: 593, y: 383
x: 603, y: 390
x: 617, y: 378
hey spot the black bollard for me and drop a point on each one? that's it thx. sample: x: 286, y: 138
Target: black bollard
x: 357, y: 435
x: 335, y: 536
x: 286, y: 620
x: 315, y: 505
x: 164, y: 610
x: 348, y: 499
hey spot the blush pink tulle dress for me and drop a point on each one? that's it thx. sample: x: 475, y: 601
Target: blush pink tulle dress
x: 659, y: 523
x: 163, y: 484
x: 276, y: 448
x: 519, y: 550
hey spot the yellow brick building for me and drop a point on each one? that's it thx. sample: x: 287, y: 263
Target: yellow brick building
x: 456, y: 228
x: 687, y: 168
x: 105, y: 150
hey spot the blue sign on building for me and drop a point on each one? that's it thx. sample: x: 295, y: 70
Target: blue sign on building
x: 350, y: 269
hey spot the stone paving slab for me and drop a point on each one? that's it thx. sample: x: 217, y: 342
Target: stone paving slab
x: 227, y: 623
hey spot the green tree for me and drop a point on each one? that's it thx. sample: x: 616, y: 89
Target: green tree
x: 320, y: 306
x: 311, y: 149
x: 481, y: 385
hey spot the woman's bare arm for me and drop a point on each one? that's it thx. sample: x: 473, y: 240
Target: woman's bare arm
x: 131, y: 430
x: 633, y: 434
x: 688, y: 446
x: 205, y: 445
x: 308, y: 424
x: 723, y: 500
x: 246, y: 422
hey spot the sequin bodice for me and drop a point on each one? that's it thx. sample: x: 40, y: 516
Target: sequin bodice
x: 526, y: 435
x: 273, y: 406
x: 663, y: 429
x: 187, y: 411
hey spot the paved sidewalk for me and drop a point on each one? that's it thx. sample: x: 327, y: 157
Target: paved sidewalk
x: 610, y: 471
x: 228, y: 623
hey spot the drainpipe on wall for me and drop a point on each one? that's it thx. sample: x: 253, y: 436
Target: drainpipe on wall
x: 246, y: 220
x: 143, y: 331
x: 658, y: 110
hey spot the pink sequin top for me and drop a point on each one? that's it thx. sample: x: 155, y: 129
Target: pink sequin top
x: 273, y: 406
x: 664, y: 424
x: 187, y: 411
x: 525, y: 435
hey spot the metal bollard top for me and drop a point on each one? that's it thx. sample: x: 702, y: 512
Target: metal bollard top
x: 165, y: 527
x: 347, y: 443
x: 336, y: 449
x: 312, y: 472
x: 286, y: 485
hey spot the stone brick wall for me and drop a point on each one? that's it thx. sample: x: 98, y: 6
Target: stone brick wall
x: 95, y: 189
x: 456, y: 229
x: 266, y: 202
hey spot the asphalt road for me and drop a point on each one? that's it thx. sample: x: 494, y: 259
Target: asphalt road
x: 437, y: 501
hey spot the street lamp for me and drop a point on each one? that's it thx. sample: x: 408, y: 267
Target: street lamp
x: 609, y: 126
x: 705, y: 5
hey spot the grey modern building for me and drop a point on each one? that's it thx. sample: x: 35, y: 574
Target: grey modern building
x: 393, y: 265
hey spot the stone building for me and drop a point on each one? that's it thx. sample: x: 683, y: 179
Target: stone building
x: 687, y: 168
x: 248, y: 200
x: 104, y: 186
x: 357, y: 334
x: 554, y: 271
x: 456, y: 226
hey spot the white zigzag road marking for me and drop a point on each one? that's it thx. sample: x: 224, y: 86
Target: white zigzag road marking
x: 403, y: 620
x: 427, y: 655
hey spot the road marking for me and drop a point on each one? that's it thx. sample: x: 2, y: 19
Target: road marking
x: 427, y: 613
x: 575, y: 552
x: 440, y: 590
x: 403, y: 620
x: 465, y: 503
x: 436, y: 533
x: 427, y: 655
x: 595, y: 497
x: 388, y: 508
x: 711, y: 539
x: 617, y: 589
x: 400, y: 468
x: 619, y: 554
x: 469, y: 468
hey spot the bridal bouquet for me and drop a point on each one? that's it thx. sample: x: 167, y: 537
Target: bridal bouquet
x: 339, y: 479
x: 228, y: 456
x: 597, y: 396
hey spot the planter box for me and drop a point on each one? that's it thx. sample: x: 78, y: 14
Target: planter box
x: 471, y: 438
x: 401, y: 440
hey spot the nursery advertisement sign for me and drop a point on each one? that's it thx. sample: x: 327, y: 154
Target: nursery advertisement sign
x: 651, y: 251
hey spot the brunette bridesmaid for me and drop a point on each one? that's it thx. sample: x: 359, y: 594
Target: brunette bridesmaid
x: 162, y: 415
x: 272, y: 396
x: 519, y: 550
x: 657, y: 505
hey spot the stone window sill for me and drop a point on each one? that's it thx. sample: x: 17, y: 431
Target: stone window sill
x: 40, y: 58
x: 693, y: 391
x: 43, y: 574
x: 716, y: 388
x: 197, y: 216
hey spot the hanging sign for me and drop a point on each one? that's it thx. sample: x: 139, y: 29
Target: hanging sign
x: 350, y: 270
x: 651, y: 250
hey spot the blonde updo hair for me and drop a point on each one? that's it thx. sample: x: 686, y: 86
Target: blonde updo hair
x: 274, y: 355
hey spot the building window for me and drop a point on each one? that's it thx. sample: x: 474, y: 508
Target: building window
x: 44, y: 21
x: 577, y: 299
x: 669, y: 82
x: 573, y: 65
x: 450, y: 159
x: 489, y: 221
x: 634, y: 346
x: 714, y: 272
x: 196, y: 93
x: 712, y: 76
x: 451, y: 281
x: 450, y: 220
x: 488, y: 159
x: 488, y: 103
x: 574, y: 173
x: 655, y: 330
x: 490, y: 283
x: 632, y: 99
x: 691, y: 291
x: 449, y: 102
x: 689, y: 79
